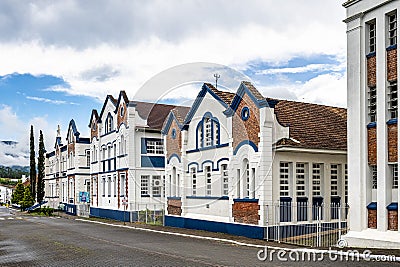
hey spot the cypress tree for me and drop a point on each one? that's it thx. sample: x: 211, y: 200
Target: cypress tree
x: 18, y: 193
x: 32, y: 175
x: 40, y: 181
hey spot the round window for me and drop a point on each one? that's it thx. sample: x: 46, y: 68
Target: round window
x: 173, y: 133
x: 122, y: 111
x: 245, y: 113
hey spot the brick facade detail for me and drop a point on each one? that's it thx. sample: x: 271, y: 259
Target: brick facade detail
x: 371, y: 136
x: 71, y: 148
x: 391, y: 57
x: 372, y: 219
x: 249, y: 129
x: 174, y: 207
x: 393, y: 220
x: 124, y: 118
x: 392, y: 143
x: 94, y: 131
x: 246, y: 212
x: 174, y: 146
x: 371, y: 71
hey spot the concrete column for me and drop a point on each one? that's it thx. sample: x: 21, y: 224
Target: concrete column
x: 383, y: 190
x: 356, y: 126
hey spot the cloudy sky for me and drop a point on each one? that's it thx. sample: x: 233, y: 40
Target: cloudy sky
x: 59, y: 59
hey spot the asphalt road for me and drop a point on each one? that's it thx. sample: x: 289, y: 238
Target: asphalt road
x: 43, y: 241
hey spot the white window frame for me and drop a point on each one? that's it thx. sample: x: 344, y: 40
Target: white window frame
x: 224, y: 179
x: 284, y: 183
x: 374, y: 176
x: 372, y: 103
x: 335, y: 179
x: 392, y: 28
x: 122, y: 184
x: 208, y: 179
x: 193, y: 175
x: 301, y: 190
x: 207, y: 132
x: 392, y: 99
x: 372, y: 36
x: 144, y: 185
x: 154, y: 147
x: 317, y: 179
x: 395, y: 175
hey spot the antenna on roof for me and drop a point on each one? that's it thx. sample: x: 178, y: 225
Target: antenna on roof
x: 217, y: 76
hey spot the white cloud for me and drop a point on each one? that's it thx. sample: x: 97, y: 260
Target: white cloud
x: 51, y: 101
x: 303, y: 69
x: 14, y: 129
x: 136, y: 41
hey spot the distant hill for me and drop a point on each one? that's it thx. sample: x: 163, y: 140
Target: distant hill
x: 14, y: 172
x: 9, y: 143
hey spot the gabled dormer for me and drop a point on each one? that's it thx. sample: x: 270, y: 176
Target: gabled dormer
x: 121, y: 109
x: 93, y: 125
x: 107, y: 115
x: 245, y: 112
x: 223, y: 98
x: 58, y: 142
x: 172, y: 130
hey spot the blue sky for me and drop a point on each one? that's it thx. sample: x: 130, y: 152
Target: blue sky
x: 60, y: 59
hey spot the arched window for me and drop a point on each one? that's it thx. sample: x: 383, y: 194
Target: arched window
x: 208, y: 131
x: 109, y: 126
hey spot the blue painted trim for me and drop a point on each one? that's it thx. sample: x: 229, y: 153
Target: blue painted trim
x: 245, y: 142
x: 247, y: 230
x: 285, y: 199
x: 392, y: 121
x: 168, y: 123
x: 243, y: 114
x: 105, y: 104
x: 200, y: 127
x: 153, y: 161
x: 260, y: 103
x: 371, y: 125
x: 118, y: 215
x: 174, y: 156
x: 208, y: 197
x: 372, y: 206
x: 392, y: 206
x: 207, y: 148
x: 372, y: 54
x: 173, y: 198
x: 113, y: 131
x: 272, y: 102
x: 64, y: 148
x: 391, y: 47
x: 193, y: 163
x: 253, y: 200
x: 173, y: 134
x: 145, y: 195
x: 199, y: 99
x: 218, y: 163
x: 207, y: 161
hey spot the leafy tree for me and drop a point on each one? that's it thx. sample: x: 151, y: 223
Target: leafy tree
x: 18, y: 193
x: 28, y: 200
x: 32, y: 164
x: 40, y: 181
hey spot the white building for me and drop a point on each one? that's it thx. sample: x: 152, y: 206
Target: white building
x: 6, y: 193
x: 67, y: 169
x: 243, y: 158
x: 127, y: 158
x: 373, y: 66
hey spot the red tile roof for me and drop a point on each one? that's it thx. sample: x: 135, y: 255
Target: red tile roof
x: 154, y: 113
x: 312, y: 126
x: 227, y: 97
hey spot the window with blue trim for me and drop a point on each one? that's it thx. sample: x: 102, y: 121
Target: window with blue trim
x: 208, y: 131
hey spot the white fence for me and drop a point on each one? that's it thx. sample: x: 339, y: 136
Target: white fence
x: 300, y: 223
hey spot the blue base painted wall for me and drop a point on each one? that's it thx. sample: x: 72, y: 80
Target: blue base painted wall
x: 251, y: 231
x: 112, y: 214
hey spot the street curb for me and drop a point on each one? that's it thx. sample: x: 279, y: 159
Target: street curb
x: 349, y: 253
